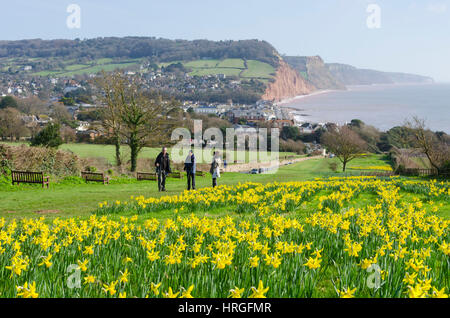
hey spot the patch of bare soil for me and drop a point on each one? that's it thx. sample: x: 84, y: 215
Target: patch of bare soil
x: 47, y: 211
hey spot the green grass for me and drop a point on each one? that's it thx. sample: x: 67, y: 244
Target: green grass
x: 202, y: 64
x: 75, y: 67
x: 80, y: 199
x: 258, y: 69
x: 232, y: 63
x: 215, y: 71
x: 72, y: 200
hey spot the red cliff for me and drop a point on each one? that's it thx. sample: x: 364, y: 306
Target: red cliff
x: 288, y: 83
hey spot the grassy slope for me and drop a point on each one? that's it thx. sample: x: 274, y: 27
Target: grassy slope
x: 80, y: 200
x: 71, y: 200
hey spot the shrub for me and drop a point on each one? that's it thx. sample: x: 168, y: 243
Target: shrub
x: 50, y: 136
x: 90, y: 169
x: 48, y: 160
x: 333, y: 166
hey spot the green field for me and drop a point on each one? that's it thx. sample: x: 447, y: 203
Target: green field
x: 259, y: 70
x: 71, y: 67
x: 229, y: 67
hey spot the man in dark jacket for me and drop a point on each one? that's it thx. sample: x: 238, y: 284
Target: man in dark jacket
x: 162, y: 164
x: 190, y: 168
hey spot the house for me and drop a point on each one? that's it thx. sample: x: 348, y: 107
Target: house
x: 280, y: 123
x: 206, y: 110
x: 88, y: 134
x: 83, y: 126
x: 69, y: 89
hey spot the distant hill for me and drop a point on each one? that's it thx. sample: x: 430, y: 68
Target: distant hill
x: 350, y: 75
x: 338, y: 76
x: 160, y: 50
x: 256, y: 65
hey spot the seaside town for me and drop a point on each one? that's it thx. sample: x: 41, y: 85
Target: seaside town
x: 73, y: 98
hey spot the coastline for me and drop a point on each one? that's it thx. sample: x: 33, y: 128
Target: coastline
x: 398, y: 107
x: 293, y: 99
x: 348, y: 88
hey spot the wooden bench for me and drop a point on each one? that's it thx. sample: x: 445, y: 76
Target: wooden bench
x: 141, y: 176
x: 200, y: 173
x: 95, y: 177
x: 29, y: 177
x: 176, y: 175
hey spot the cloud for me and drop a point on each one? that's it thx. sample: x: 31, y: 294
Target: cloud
x: 438, y: 8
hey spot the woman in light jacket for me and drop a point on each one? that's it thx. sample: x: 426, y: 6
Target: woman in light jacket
x: 215, y: 168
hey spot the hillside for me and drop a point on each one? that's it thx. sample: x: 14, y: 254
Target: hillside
x: 244, y: 71
x: 235, y: 67
x: 158, y: 50
x: 350, y: 75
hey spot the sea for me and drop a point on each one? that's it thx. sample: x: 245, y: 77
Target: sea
x: 383, y: 106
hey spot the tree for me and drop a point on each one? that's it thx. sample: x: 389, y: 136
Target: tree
x: 8, y: 101
x: 436, y: 147
x: 31, y: 106
x: 10, y: 123
x: 110, y: 86
x: 49, y: 137
x: 344, y: 143
x: 290, y: 132
x: 356, y: 123
x: 135, y: 114
x: 368, y: 133
x: 62, y: 116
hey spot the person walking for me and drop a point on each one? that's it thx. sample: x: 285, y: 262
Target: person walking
x: 215, y: 168
x: 190, y: 168
x: 162, y: 164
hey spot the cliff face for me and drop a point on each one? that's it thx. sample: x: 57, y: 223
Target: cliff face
x: 287, y: 84
x: 314, y: 70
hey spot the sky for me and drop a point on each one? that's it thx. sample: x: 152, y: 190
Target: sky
x: 389, y: 35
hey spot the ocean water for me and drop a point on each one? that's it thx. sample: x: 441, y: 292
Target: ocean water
x: 383, y: 106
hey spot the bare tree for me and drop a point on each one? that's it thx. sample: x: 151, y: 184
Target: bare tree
x: 110, y: 86
x: 60, y: 113
x: 344, y: 143
x: 136, y: 114
x: 11, y: 124
x: 436, y: 147
x: 32, y: 106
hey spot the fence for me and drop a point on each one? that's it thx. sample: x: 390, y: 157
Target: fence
x: 417, y: 172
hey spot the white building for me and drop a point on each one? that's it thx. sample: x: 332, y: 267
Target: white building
x: 206, y: 110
